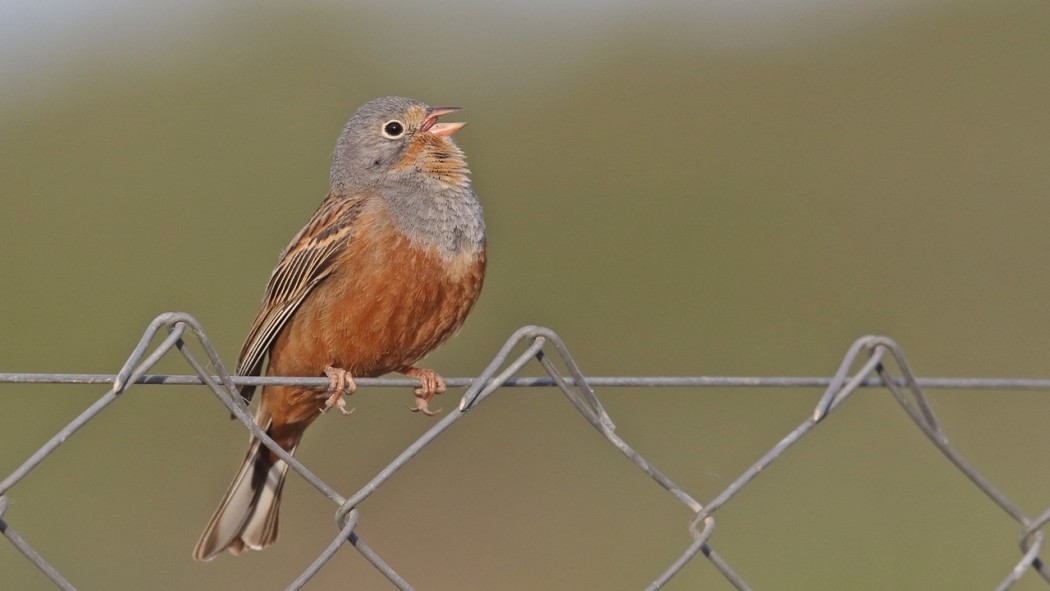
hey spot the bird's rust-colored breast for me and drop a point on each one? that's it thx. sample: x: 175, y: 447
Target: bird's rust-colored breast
x: 388, y: 302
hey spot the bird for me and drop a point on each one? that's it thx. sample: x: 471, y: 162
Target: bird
x: 386, y: 270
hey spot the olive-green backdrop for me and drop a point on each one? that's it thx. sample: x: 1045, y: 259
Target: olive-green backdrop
x: 674, y: 190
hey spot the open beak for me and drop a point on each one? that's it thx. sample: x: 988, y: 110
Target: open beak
x: 431, y: 125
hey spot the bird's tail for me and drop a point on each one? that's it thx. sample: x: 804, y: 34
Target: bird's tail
x: 247, y: 515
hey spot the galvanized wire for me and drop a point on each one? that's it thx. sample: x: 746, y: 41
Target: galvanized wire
x: 881, y: 365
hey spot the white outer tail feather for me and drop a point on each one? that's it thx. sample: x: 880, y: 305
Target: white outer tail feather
x: 247, y: 516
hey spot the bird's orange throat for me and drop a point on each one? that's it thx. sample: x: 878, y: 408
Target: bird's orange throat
x: 438, y: 158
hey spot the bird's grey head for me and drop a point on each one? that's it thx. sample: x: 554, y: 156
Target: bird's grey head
x: 386, y: 137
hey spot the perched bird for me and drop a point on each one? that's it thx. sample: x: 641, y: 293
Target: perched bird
x: 385, y: 271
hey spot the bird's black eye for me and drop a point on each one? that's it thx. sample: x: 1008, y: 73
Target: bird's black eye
x: 393, y: 129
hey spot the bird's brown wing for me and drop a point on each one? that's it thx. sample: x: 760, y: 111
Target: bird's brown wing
x: 303, y: 265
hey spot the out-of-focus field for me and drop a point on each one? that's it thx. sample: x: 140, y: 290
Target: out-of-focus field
x: 668, y: 205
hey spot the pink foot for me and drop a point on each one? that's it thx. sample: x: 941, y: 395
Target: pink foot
x: 430, y: 383
x: 340, y: 384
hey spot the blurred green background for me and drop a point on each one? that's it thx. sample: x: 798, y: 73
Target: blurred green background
x: 691, y: 188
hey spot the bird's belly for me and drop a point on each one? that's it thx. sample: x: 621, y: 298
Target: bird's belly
x: 389, y: 303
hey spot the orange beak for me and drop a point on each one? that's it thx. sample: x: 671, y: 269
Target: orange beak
x: 431, y: 125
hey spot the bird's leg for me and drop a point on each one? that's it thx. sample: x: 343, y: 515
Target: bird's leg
x: 340, y: 384
x: 430, y: 383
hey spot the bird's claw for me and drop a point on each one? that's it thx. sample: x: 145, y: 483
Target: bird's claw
x: 337, y: 401
x: 340, y: 384
x: 430, y: 384
x: 423, y: 405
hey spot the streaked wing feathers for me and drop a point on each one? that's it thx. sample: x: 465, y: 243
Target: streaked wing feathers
x: 303, y: 265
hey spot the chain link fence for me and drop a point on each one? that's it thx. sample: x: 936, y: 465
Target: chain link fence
x: 879, y: 362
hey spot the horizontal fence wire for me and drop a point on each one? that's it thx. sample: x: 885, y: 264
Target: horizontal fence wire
x: 871, y: 362
x: 541, y: 382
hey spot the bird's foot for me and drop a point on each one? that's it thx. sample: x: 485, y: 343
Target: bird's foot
x: 430, y: 384
x: 340, y: 384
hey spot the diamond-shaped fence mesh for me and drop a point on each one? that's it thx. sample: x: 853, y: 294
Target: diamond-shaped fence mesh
x: 871, y: 362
